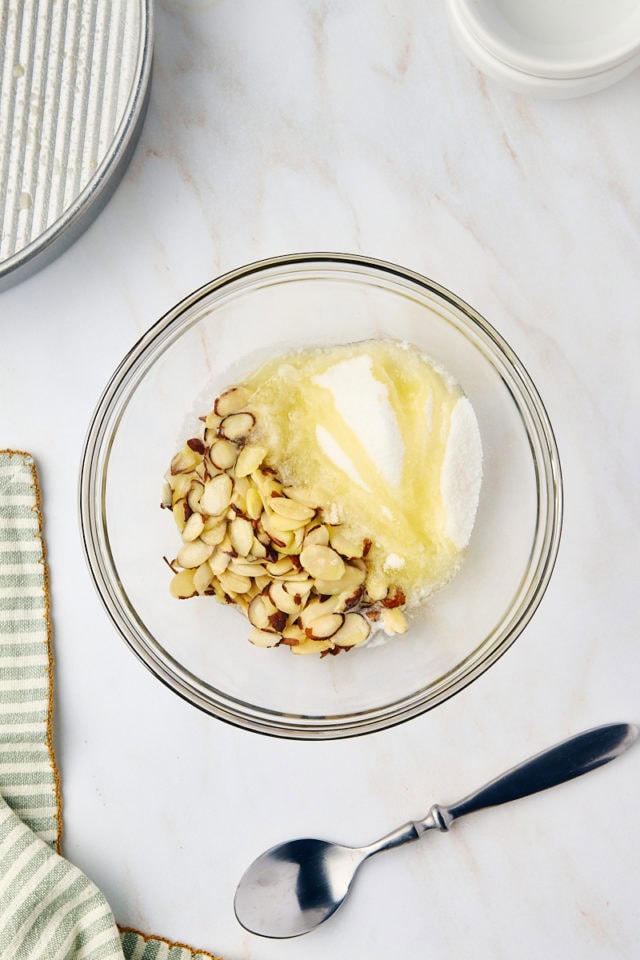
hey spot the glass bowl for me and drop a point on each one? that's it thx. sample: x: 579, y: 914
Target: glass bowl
x: 151, y: 406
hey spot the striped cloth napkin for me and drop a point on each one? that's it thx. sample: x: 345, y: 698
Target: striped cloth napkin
x: 49, y: 910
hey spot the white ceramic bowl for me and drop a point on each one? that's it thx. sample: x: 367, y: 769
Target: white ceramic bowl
x: 549, y: 49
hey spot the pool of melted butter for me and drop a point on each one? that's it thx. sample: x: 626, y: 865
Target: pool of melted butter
x: 364, y: 427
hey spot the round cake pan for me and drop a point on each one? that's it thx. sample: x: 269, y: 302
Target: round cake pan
x: 74, y: 86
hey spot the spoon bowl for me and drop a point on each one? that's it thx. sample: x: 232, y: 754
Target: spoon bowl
x: 297, y: 884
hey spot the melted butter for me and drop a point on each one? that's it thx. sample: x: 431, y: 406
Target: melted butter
x: 364, y: 428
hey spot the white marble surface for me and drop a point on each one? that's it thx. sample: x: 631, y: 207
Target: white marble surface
x: 297, y: 125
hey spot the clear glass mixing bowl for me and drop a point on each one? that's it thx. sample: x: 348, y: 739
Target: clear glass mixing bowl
x: 151, y: 405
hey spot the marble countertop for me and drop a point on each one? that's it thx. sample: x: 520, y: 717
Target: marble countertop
x: 314, y: 125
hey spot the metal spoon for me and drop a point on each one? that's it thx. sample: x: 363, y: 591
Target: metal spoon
x: 295, y: 886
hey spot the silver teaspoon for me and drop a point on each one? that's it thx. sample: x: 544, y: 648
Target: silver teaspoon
x: 297, y: 885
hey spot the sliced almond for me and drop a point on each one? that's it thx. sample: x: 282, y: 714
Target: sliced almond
x: 266, y: 484
x: 215, y: 534
x: 241, y: 536
x: 376, y: 587
x: 281, y: 524
x: 319, y: 535
x: 258, y: 612
x: 258, y: 550
x: 394, y: 620
x: 322, y: 562
x: 182, y: 585
x: 223, y: 454
x: 246, y: 569
x: 283, y: 600
x: 253, y: 502
x: 219, y: 561
x: 249, y: 459
x: 194, y: 553
x: 322, y: 628
x: 262, y: 638
x: 297, y: 589
x: 354, y: 631
x: 306, y: 495
x: 349, y: 582
x: 280, y: 568
x: 309, y: 646
x: 291, y: 509
x: 202, y: 578
x: 216, y: 496
x: 230, y: 401
x: 346, y: 545
x: 236, y: 426
x: 317, y: 608
x: 193, y: 528
x: 180, y: 513
x: 195, y: 493
x: 185, y: 460
x: 180, y: 485
x: 234, y: 583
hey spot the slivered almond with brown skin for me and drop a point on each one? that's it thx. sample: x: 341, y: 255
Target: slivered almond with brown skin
x: 216, y: 496
x: 318, y: 534
x: 262, y: 638
x: 309, y: 646
x: 317, y: 608
x: 297, y: 589
x: 258, y: 550
x: 283, y: 600
x: 219, y: 561
x: 324, y: 627
x: 234, y: 583
x: 182, y: 585
x: 195, y: 493
x: 214, y: 535
x: 193, y: 528
x: 322, y: 562
x: 291, y: 509
x: 236, y: 426
x: 180, y: 514
x: 202, y: 578
x: 194, y: 553
x: 283, y: 524
x: 349, y: 582
x: 249, y: 459
x: 280, y: 568
x: 233, y: 399
x: 181, y: 484
x: 376, y: 587
x: 394, y: 620
x: 346, y: 545
x: 253, y: 502
x: 223, y: 454
x: 196, y: 445
x: 185, y: 460
x: 246, y: 568
x: 258, y: 613
x: 354, y: 631
x: 241, y: 536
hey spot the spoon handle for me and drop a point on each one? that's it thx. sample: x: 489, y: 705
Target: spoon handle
x: 566, y: 760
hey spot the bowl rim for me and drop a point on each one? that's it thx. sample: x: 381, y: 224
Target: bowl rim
x: 91, y: 485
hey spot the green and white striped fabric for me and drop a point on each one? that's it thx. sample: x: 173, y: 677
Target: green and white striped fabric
x: 49, y: 910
